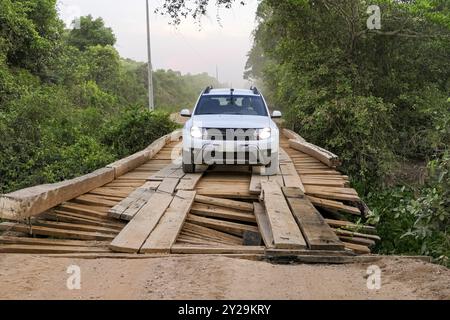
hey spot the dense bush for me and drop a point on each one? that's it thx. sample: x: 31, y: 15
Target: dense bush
x: 135, y: 129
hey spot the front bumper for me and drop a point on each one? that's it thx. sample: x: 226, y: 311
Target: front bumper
x: 197, y: 151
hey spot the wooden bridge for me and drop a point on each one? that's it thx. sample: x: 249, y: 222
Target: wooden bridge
x: 145, y: 206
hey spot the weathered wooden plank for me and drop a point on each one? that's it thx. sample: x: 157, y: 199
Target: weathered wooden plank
x: 56, y: 233
x: 320, y: 154
x: 61, y: 216
x: 166, y: 232
x: 263, y: 224
x: 357, y: 248
x: 292, y: 135
x: 190, y: 181
x: 127, y: 208
x: 316, y: 231
x: 137, y: 205
x: 225, y: 226
x: 285, y: 231
x: 341, y: 232
x: 255, y: 183
x: 52, y: 242
x: 238, y: 205
x: 133, y: 236
x: 335, y: 205
x: 75, y: 227
x: 35, y: 200
x: 205, y: 210
x: 183, y: 249
x: 206, y: 233
x: 168, y: 185
x: 165, y: 172
x: 50, y: 249
x: 290, y: 176
x: 349, y: 225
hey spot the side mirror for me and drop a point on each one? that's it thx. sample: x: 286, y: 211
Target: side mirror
x: 276, y: 115
x: 185, y: 113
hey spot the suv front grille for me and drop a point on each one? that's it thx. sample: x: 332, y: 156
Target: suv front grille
x: 222, y: 134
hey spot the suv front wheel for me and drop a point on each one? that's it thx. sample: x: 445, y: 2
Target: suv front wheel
x: 188, y: 168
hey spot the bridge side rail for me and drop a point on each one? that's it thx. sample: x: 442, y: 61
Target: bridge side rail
x: 32, y: 201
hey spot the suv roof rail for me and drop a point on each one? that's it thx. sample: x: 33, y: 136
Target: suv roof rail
x: 254, y: 89
x: 208, y: 89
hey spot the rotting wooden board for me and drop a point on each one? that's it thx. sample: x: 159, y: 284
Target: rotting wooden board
x: 205, y: 232
x: 238, y: 205
x: 183, y: 249
x: 285, y: 231
x: 50, y: 249
x: 263, y: 224
x: 227, y: 193
x: 350, y: 225
x: 75, y: 227
x: 205, y: 239
x: 335, y: 205
x: 166, y: 232
x: 341, y: 232
x: 51, y: 242
x: 325, y: 183
x: 168, y: 185
x: 316, y: 231
x: 96, y: 201
x: 255, y: 183
x: 189, y: 181
x: 290, y: 176
x: 137, y: 205
x: 357, y: 248
x: 80, y: 219
x: 165, y: 172
x: 320, y: 154
x: 103, y: 220
x: 321, y: 189
x: 225, y: 226
x: 136, y: 232
x: 205, y: 210
x: 127, y: 208
x: 56, y: 233
x: 357, y: 240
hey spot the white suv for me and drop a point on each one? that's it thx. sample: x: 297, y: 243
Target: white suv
x: 231, y: 126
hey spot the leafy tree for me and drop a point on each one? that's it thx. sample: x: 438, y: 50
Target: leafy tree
x: 92, y: 32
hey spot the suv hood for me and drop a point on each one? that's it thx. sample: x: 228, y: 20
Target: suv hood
x: 225, y: 121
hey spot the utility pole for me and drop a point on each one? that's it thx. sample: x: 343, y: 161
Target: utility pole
x: 151, y: 104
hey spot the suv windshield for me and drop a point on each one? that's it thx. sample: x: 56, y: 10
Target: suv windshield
x: 231, y: 104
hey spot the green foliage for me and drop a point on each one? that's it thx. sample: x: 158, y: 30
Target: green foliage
x: 416, y: 220
x: 69, y: 104
x: 29, y: 32
x: 135, y: 129
x: 91, y: 32
x: 378, y: 98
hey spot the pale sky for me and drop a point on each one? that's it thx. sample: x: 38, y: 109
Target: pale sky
x: 187, y: 47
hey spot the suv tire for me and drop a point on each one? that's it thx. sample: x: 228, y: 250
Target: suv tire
x: 188, y: 168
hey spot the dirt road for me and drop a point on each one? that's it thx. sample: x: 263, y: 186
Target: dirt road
x: 33, y: 277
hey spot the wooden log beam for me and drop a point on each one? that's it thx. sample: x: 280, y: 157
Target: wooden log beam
x: 32, y: 201
x: 324, y: 156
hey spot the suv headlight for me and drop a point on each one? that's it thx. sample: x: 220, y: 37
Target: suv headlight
x: 196, y: 132
x: 264, y: 134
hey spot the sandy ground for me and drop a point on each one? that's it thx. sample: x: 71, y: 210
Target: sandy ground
x: 200, y: 277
